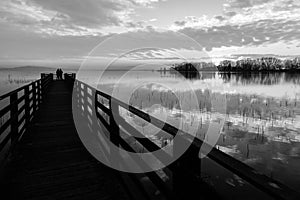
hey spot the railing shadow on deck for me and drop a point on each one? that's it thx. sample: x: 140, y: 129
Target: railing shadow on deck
x: 17, y: 115
x: 184, y: 175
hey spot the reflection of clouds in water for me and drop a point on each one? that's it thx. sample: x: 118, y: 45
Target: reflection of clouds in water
x: 156, y: 87
x: 251, y: 161
x: 230, y: 150
x: 182, y: 120
x: 276, y: 91
x: 280, y: 157
x: 294, y: 152
x: 280, y: 89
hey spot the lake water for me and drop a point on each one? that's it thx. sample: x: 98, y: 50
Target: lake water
x: 261, y: 113
x: 257, y: 115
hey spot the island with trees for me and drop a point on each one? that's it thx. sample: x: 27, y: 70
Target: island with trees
x: 264, y: 64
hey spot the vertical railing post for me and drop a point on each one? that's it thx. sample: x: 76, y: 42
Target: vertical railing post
x: 41, y: 90
x: 114, y: 131
x: 82, y: 98
x: 34, y: 96
x: 42, y: 83
x: 183, y: 186
x: 27, y: 106
x: 114, y: 107
x: 177, y: 172
x: 14, y: 118
x: 78, y: 94
x: 86, y: 102
x: 43, y: 87
x: 39, y: 93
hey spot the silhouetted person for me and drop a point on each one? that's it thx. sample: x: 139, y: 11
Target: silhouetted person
x: 61, y: 73
x: 57, y: 74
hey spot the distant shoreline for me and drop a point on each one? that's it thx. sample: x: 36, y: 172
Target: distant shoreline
x: 260, y: 71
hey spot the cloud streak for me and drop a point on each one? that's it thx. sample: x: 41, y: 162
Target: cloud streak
x: 244, y: 23
x: 257, y: 33
x: 72, y: 17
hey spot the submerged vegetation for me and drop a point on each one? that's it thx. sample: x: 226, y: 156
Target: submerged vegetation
x: 18, y: 80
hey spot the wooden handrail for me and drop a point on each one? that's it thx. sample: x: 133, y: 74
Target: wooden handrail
x: 32, y: 96
x: 260, y: 181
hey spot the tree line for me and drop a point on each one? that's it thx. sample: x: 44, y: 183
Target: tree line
x: 260, y: 64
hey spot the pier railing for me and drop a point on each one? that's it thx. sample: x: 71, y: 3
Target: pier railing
x: 19, y: 108
x: 185, y: 172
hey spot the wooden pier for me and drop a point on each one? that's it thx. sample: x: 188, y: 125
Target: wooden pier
x: 44, y: 158
x: 50, y: 161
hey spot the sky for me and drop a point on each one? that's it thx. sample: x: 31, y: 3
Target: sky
x: 67, y: 32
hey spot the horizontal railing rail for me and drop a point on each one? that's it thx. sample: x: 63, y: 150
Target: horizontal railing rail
x: 20, y: 106
x: 185, y: 171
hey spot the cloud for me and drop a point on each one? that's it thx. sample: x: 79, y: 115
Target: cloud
x: 180, y: 23
x: 256, y: 33
x: 71, y: 17
x: 230, y: 13
x: 239, y: 12
x: 241, y: 56
x: 220, y: 18
x: 153, y: 20
x: 150, y: 44
x: 232, y: 4
x: 193, y: 21
x: 21, y: 44
x: 147, y: 3
x: 135, y: 24
x: 245, y: 23
x: 87, y: 13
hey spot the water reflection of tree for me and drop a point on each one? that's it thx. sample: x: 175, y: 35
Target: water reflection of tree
x: 187, y: 74
x: 192, y: 74
x: 262, y: 78
x: 254, y: 78
x: 292, y: 77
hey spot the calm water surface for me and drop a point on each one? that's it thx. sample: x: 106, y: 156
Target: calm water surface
x: 262, y: 114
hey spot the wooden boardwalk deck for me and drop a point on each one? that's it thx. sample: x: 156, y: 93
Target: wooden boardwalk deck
x: 50, y: 161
